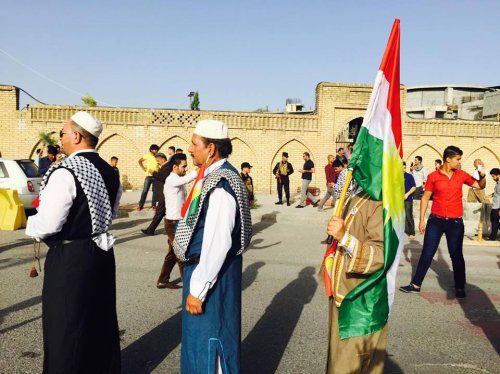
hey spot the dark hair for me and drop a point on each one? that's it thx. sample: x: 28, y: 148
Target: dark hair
x: 307, y: 154
x: 452, y: 151
x: 495, y: 171
x: 224, y: 146
x: 179, y: 150
x: 437, y: 160
x: 340, y: 149
x: 337, y: 163
x: 172, y: 148
x: 153, y: 147
x: 38, y: 151
x: 177, y: 158
x: 52, y: 150
x: 404, y: 163
x: 419, y: 158
x: 114, y: 158
x: 174, y: 160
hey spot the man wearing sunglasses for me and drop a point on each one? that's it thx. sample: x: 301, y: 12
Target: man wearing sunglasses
x: 76, y: 203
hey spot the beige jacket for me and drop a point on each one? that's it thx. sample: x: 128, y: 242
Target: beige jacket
x: 363, y: 219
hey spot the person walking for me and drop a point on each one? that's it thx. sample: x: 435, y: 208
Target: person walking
x: 474, y: 195
x: 307, y: 172
x: 331, y: 178
x: 445, y: 185
x: 282, y: 171
x: 150, y: 167
x: 174, y: 197
x: 495, y: 204
x: 410, y: 188
x: 420, y: 175
x: 213, y: 232
x: 158, y: 183
x: 76, y: 203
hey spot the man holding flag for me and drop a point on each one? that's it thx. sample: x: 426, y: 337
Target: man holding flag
x: 360, y: 267
x: 214, y: 229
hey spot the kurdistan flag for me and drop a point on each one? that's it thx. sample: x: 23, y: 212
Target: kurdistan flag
x: 377, y: 164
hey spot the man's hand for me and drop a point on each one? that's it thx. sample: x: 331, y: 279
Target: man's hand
x: 336, y: 228
x: 421, y: 226
x: 194, y: 305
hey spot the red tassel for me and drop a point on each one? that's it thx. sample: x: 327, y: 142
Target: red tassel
x: 33, y: 272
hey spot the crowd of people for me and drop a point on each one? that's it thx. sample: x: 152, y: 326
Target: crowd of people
x: 207, y: 231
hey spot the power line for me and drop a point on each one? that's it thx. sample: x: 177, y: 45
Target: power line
x: 45, y: 77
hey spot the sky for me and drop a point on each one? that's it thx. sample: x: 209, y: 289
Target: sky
x: 239, y: 55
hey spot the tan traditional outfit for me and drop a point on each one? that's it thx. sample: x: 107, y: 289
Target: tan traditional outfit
x: 359, y: 254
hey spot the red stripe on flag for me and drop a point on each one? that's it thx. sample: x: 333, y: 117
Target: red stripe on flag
x: 185, y: 206
x: 390, y: 67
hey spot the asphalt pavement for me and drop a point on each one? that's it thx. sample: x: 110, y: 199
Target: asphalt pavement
x: 285, y: 311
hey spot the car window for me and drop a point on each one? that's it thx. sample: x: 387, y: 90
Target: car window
x: 3, y: 171
x: 29, y: 168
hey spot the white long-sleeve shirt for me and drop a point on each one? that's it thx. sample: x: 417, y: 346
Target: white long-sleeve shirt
x: 55, y: 203
x: 219, y: 224
x: 175, y: 194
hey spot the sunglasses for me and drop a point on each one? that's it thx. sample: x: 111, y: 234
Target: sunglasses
x: 61, y: 133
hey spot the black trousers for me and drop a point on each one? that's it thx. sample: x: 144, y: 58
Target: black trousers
x: 158, y: 217
x: 409, y: 221
x: 494, y: 216
x: 80, y: 327
x: 284, y: 182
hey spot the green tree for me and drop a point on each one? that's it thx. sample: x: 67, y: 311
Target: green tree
x: 89, y: 100
x: 47, y: 139
x: 195, y: 104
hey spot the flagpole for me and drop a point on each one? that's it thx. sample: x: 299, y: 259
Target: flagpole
x: 337, y: 212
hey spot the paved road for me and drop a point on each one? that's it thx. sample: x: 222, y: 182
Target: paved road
x: 284, y: 308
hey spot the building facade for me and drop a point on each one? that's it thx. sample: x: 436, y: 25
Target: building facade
x: 258, y: 138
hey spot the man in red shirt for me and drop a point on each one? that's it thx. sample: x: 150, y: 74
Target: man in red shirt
x: 331, y: 178
x: 445, y: 186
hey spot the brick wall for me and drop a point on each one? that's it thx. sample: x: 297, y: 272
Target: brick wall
x: 258, y: 138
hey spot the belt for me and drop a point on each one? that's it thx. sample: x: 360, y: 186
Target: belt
x: 446, y: 218
x: 192, y: 261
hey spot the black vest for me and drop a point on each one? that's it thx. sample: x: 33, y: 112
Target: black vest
x: 78, y: 224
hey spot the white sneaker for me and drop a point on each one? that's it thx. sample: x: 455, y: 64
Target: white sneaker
x: 411, y: 237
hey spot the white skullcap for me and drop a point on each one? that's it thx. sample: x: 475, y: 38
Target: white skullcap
x: 211, y: 129
x: 88, y: 122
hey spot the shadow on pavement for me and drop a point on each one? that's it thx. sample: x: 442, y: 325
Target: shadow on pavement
x: 17, y: 307
x: 18, y: 243
x: 391, y: 366
x: 147, y: 352
x: 250, y: 274
x: 264, y: 346
x: 266, y: 221
x: 477, y: 306
x: 129, y: 224
x: 253, y: 244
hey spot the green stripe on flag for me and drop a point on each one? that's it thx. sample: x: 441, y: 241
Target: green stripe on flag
x: 367, y: 170
x: 365, y: 309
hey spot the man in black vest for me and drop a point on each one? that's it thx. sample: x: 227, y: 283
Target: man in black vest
x: 282, y: 171
x: 158, y: 185
x: 76, y: 201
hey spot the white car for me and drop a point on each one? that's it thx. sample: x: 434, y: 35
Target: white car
x: 23, y: 176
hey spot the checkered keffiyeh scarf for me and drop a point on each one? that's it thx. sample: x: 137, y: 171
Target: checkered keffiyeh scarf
x: 186, y: 226
x: 94, y: 188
